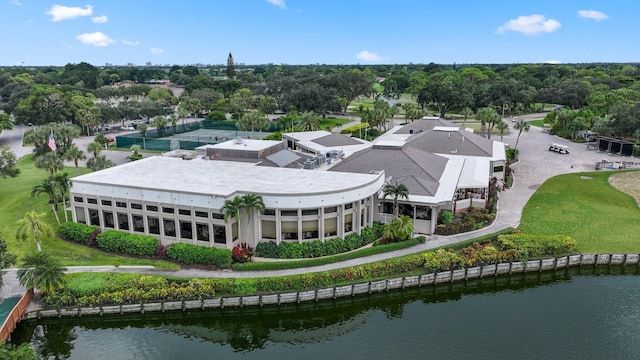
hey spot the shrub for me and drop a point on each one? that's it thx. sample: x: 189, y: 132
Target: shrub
x: 216, y: 115
x: 446, y: 217
x: 77, y: 232
x: 117, y: 241
x: 267, y: 249
x: 194, y: 254
x: 242, y: 253
x: 441, y: 260
x: 525, y: 245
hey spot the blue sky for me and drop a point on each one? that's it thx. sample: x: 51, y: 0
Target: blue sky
x: 40, y: 32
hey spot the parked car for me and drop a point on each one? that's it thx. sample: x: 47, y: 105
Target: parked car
x: 111, y: 139
x: 127, y: 128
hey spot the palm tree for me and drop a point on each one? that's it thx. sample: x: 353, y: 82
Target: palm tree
x: 409, y: 109
x: 74, y: 154
x: 142, y: 128
x: 308, y: 121
x: 63, y: 182
x: 487, y: 116
x: 252, y: 202
x: 94, y: 148
x: 251, y: 120
x: 397, y: 190
x: 41, y: 271
x: 466, y: 112
x: 231, y: 209
x: 31, y: 226
x: 399, y: 229
x: 102, y: 140
x: 160, y: 122
x: 99, y: 163
x: 50, y: 161
x: 48, y: 187
x: 521, y: 126
x: 502, y: 127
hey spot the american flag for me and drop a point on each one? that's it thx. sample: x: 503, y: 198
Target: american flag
x: 52, y: 142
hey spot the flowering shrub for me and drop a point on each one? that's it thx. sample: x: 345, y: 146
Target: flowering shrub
x: 242, y: 253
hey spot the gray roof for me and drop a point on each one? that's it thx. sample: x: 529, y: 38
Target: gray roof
x: 419, y: 170
x: 459, y: 142
x: 336, y: 139
x: 283, y: 158
x: 423, y: 125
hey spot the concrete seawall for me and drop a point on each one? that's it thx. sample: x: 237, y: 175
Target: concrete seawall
x: 348, y: 290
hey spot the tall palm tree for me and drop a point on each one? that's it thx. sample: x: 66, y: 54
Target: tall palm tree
x: 251, y: 202
x: 251, y: 120
x: 48, y: 187
x: 50, y: 161
x: 308, y: 121
x: 102, y: 140
x: 502, y: 127
x: 231, y: 210
x: 521, y: 126
x: 41, y: 271
x: 94, y: 148
x: 399, y: 229
x: 31, y: 226
x: 487, y: 116
x: 142, y: 128
x: 75, y: 154
x: 397, y: 191
x: 63, y: 182
x: 160, y: 122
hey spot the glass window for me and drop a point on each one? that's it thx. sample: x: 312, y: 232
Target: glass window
x: 154, y: 225
x: 217, y: 216
x: 202, y: 232
x: 330, y: 227
x: 108, y: 219
x: 94, y: 217
x: 123, y: 221
x: 330, y: 210
x: 186, y: 230
x: 498, y: 168
x: 92, y: 201
x: 202, y: 214
x: 78, y: 199
x: 289, y: 230
x: 271, y: 212
x: 106, y: 202
x: 169, y: 227
x: 152, y: 208
x: 121, y: 204
x: 310, y: 212
x: 168, y: 210
x: 80, y: 215
x: 348, y: 206
x: 136, y: 206
x: 268, y: 229
x: 219, y: 234
x: 138, y: 223
x: 289, y: 212
x: 184, y: 212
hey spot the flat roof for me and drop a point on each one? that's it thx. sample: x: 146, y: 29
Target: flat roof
x: 223, y: 178
x: 243, y: 144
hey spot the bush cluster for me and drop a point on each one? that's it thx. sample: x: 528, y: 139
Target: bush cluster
x: 130, y: 289
x: 317, y: 248
x: 77, y: 232
x: 117, y: 241
x: 471, y: 220
x: 200, y: 255
x: 534, y: 246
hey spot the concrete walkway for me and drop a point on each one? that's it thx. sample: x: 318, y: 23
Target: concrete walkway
x: 537, y: 165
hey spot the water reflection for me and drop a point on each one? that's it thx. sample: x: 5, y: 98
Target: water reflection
x: 253, y: 330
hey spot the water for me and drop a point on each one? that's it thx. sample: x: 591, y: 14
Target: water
x: 576, y: 313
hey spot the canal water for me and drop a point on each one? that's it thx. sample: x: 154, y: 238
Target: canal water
x: 578, y: 313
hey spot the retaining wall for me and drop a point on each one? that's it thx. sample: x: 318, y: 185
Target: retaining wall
x: 15, y: 315
x: 349, y: 290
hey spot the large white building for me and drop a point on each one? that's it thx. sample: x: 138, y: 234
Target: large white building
x: 181, y: 201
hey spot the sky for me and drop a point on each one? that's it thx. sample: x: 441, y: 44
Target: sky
x: 298, y: 32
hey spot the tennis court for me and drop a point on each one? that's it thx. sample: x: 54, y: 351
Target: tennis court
x: 215, y: 136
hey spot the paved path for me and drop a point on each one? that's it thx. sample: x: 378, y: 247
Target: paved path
x: 537, y: 165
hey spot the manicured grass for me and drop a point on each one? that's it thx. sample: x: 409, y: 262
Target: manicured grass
x: 538, y: 123
x: 16, y: 200
x: 330, y: 123
x: 585, y: 207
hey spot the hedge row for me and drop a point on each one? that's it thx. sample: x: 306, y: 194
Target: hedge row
x: 77, y: 232
x: 317, y: 248
x: 117, y: 241
x: 537, y: 245
x: 194, y: 254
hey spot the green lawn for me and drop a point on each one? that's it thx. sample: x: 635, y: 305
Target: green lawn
x: 538, y: 123
x: 585, y: 207
x: 330, y: 123
x: 16, y: 200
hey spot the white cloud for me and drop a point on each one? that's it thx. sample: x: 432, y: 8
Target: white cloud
x: 130, y: 43
x: 592, y: 14
x: 60, y: 12
x: 365, y: 55
x: 530, y: 25
x: 552, y: 62
x: 16, y: 2
x: 95, y: 39
x: 156, y: 51
x: 100, y: 19
x: 278, y: 3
